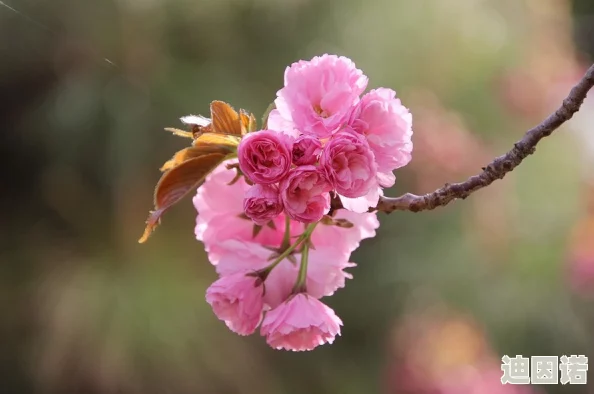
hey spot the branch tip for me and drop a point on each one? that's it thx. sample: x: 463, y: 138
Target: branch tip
x: 500, y: 166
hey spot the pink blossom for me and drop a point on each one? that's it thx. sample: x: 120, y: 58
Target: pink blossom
x: 232, y: 248
x: 280, y: 282
x: 265, y: 156
x: 325, y: 275
x: 349, y: 164
x: 306, y: 150
x: 220, y: 215
x: 319, y: 94
x: 237, y: 300
x: 305, y: 194
x: 326, y: 271
x: 364, y: 226
x: 262, y: 203
x: 285, y: 126
x: 387, y: 125
x: 301, y: 323
x: 362, y: 204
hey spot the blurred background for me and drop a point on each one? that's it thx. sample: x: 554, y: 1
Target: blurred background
x: 86, y: 88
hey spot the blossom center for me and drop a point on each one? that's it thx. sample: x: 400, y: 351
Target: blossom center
x: 318, y: 109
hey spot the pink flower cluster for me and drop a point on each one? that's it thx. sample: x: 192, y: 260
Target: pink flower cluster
x: 323, y: 138
x: 244, y: 301
x: 266, y: 232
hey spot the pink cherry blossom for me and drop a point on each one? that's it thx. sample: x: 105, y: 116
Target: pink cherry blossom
x: 242, y: 256
x: 326, y: 271
x: 319, y: 94
x: 349, y: 164
x: 280, y: 283
x: 321, y: 138
x: 387, y: 125
x: 262, y: 203
x: 237, y: 300
x: 364, y: 226
x: 325, y: 275
x: 301, y: 323
x: 362, y: 204
x: 220, y: 214
x: 306, y: 150
x: 265, y: 156
x: 231, y: 246
x: 285, y: 126
x: 305, y: 194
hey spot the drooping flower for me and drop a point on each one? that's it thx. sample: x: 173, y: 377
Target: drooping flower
x: 305, y: 194
x: 231, y: 245
x: 319, y: 94
x: 237, y: 299
x: 387, y: 125
x: 349, y: 164
x: 243, y: 256
x: 326, y: 273
x: 306, y: 150
x: 300, y: 323
x: 262, y: 203
x: 265, y: 156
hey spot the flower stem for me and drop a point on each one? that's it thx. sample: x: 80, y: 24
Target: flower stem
x: 303, y: 237
x: 287, y: 237
x: 300, y: 284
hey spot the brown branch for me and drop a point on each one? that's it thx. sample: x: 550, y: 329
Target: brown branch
x: 499, y: 166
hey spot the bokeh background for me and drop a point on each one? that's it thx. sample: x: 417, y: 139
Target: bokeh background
x: 86, y: 88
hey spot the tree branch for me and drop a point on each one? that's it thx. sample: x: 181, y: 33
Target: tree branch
x: 500, y: 165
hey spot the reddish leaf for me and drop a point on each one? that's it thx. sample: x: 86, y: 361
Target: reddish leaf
x: 196, y: 151
x: 229, y: 141
x: 179, y: 133
x: 176, y: 183
x: 248, y: 122
x: 214, y: 140
x: 225, y: 120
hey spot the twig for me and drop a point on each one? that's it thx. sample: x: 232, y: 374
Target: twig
x: 500, y: 165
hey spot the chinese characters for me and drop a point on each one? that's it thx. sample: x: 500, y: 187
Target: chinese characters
x: 544, y: 370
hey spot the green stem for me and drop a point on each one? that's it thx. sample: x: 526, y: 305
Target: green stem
x: 287, y: 237
x: 305, y: 236
x: 300, y: 284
